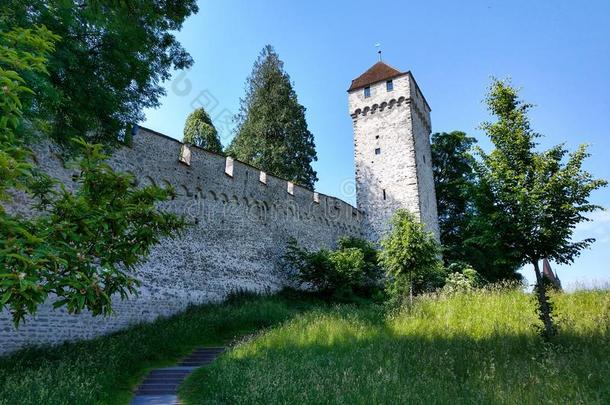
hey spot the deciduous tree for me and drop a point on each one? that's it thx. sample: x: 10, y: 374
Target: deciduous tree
x: 410, y: 256
x: 466, y: 236
x: 454, y: 180
x: 538, y: 196
x: 110, y: 62
x: 79, y: 246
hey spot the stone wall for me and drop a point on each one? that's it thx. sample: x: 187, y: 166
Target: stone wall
x: 392, y: 154
x: 241, y: 220
x: 421, y: 127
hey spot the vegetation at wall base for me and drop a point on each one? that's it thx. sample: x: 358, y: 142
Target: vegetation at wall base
x: 481, y: 347
x: 106, y: 370
x: 346, y: 274
x: 410, y: 256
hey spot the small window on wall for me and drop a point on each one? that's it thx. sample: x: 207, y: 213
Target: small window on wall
x: 378, y: 151
x: 367, y: 92
x: 384, y: 193
x: 389, y: 85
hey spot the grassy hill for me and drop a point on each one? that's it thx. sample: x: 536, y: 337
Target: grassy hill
x: 477, y: 348
x: 481, y: 347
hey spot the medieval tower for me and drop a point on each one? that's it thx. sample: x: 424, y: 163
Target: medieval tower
x: 391, y: 121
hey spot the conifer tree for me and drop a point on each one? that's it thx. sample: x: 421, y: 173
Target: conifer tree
x: 200, y: 131
x: 272, y: 132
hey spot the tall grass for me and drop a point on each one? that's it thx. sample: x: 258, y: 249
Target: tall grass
x: 105, y: 370
x: 482, y: 347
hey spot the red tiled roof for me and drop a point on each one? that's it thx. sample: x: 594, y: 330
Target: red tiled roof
x: 377, y: 73
x: 548, y: 272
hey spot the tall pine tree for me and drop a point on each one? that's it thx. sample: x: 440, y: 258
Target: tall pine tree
x: 272, y: 132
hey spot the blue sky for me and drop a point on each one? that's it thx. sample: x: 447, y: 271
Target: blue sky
x: 557, y: 51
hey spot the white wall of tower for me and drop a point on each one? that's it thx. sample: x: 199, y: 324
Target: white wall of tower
x: 397, y: 124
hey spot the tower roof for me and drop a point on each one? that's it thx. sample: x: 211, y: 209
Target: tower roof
x: 548, y: 272
x: 378, y: 72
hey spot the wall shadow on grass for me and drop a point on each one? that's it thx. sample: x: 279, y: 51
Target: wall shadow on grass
x: 106, y: 369
x: 352, y: 358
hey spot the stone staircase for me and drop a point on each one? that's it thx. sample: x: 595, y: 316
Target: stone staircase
x: 160, y: 386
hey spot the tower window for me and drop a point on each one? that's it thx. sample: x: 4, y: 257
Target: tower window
x: 376, y: 136
x: 389, y: 85
x: 378, y: 151
x: 384, y: 193
x: 367, y: 92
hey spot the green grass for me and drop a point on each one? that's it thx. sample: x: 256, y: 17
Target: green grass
x: 478, y: 348
x: 481, y: 347
x: 105, y: 370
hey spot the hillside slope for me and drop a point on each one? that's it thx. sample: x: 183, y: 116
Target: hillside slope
x: 478, y: 348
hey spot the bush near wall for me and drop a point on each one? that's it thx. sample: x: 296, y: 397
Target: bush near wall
x: 343, y: 274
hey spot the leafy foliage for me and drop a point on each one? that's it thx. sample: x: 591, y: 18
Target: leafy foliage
x: 538, y: 196
x: 110, y: 62
x: 411, y: 257
x: 466, y: 236
x: 272, y: 132
x: 462, y: 282
x: 23, y: 53
x: 200, y: 131
x: 351, y: 268
x: 84, y: 244
x: 454, y: 179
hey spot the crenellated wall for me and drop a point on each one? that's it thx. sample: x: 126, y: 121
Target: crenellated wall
x: 241, y: 220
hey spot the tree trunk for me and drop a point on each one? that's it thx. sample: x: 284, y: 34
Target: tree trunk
x: 544, y: 307
x: 411, y: 294
x: 411, y: 290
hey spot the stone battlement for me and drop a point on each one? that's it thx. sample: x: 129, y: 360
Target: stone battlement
x: 199, y: 174
x: 241, y: 220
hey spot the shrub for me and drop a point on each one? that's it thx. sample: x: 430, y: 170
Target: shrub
x: 371, y: 262
x: 466, y: 281
x: 349, y: 270
x: 348, y: 266
x: 411, y: 257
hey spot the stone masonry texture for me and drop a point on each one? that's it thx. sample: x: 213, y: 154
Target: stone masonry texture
x: 392, y: 155
x: 239, y: 229
x: 242, y: 218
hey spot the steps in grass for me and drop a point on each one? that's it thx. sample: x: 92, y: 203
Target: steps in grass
x: 160, y: 386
